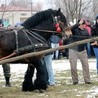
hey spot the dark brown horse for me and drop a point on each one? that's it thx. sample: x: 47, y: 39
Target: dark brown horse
x: 35, y: 32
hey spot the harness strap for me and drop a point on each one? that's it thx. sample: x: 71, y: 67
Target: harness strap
x: 37, y: 37
x: 29, y: 38
x: 42, y: 42
x: 16, y: 35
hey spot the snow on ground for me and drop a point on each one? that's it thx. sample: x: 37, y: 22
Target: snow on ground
x: 65, y: 65
x: 18, y: 70
x: 58, y: 65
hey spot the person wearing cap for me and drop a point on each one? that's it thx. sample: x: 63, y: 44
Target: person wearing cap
x: 6, y: 67
x: 88, y: 46
x: 95, y: 43
x: 54, y: 39
x: 79, y: 52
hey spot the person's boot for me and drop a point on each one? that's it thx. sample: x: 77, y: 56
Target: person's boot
x: 7, y: 82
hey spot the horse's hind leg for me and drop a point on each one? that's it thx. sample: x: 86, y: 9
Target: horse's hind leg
x: 28, y: 84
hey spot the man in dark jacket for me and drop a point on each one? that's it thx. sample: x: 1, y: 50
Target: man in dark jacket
x: 95, y: 43
x: 79, y: 52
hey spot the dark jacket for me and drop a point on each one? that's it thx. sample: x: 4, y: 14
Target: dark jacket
x: 55, y: 39
x: 95, y: 32
x: 78, y: 35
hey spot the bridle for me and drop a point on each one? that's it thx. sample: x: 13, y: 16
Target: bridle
x: 58, y: 28
x: 56, y: 23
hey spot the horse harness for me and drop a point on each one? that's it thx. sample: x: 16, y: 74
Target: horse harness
x: 42, y: 43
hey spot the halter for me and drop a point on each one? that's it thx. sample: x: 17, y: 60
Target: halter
x: 56, y: 24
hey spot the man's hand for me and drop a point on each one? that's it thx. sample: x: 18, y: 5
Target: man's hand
x: 81, y: 21
x: 94, y: 43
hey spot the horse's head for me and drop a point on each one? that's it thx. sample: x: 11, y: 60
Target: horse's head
x: 59, y: 20
x: 48, y: 20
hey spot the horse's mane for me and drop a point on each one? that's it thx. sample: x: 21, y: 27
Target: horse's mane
x: 37, y: 18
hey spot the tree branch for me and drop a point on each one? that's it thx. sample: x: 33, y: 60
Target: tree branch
x: 28, y: 55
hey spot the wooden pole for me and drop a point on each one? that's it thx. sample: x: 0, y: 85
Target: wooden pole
x: 47, y: 51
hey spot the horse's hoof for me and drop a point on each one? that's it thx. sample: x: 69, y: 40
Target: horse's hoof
x: 27, y: 87
x: 41, y: 91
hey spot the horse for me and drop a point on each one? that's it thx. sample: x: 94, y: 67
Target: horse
x: 33, y: 36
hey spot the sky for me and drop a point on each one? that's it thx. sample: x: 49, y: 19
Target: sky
x: 44, y: 3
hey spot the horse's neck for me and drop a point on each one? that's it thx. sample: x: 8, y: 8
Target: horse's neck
x: 45, y: 25
x: 44, y: 28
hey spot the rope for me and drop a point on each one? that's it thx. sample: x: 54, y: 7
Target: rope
x: 8, y: 56
x: 44, y: 31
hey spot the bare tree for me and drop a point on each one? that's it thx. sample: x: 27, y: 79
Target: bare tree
x: 73, y: 9
x: 37, y: 7
x: 4, y: 9
x: 95, y: 8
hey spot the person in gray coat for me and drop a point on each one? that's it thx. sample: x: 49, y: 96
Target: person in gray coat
x: 7, y: 74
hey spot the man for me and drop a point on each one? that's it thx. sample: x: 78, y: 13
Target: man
x: 95, y: 43
x: 6, y: 67
x: 88, y: 46
x: 6, y: 71
x: 54, y: 39
x: 79, y: 52
x: 50, y: 70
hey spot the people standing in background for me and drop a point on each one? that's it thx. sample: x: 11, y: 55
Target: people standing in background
x: 88, y: 46
x: 79, y: 52
x: 95, y: 43
x: 50, y: 71
x: 6, y: 67
x: 54, y: 39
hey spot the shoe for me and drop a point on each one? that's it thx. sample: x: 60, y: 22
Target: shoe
x: 8, y: 85
x: 75, y: 83
x: 88, y: 82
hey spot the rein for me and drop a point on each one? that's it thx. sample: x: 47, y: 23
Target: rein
x: 44, y: 31
x: 8, y: 56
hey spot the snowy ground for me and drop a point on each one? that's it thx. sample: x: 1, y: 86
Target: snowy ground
x: 18, y: 70
x: 58, y: 65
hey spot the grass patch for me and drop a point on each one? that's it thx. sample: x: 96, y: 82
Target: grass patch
x: 63, y: 89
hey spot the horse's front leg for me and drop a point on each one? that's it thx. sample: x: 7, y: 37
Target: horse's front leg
x: 28, y: 84
x: 41, y: 76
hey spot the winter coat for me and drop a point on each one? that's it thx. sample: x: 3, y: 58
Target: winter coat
x: 78, y: 35
x: 95, y: 33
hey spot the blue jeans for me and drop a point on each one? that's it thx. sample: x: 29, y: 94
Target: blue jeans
x: 56, y: 53
x: 88, y: 49
x: 48, y: 62
x: 96, y: 55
